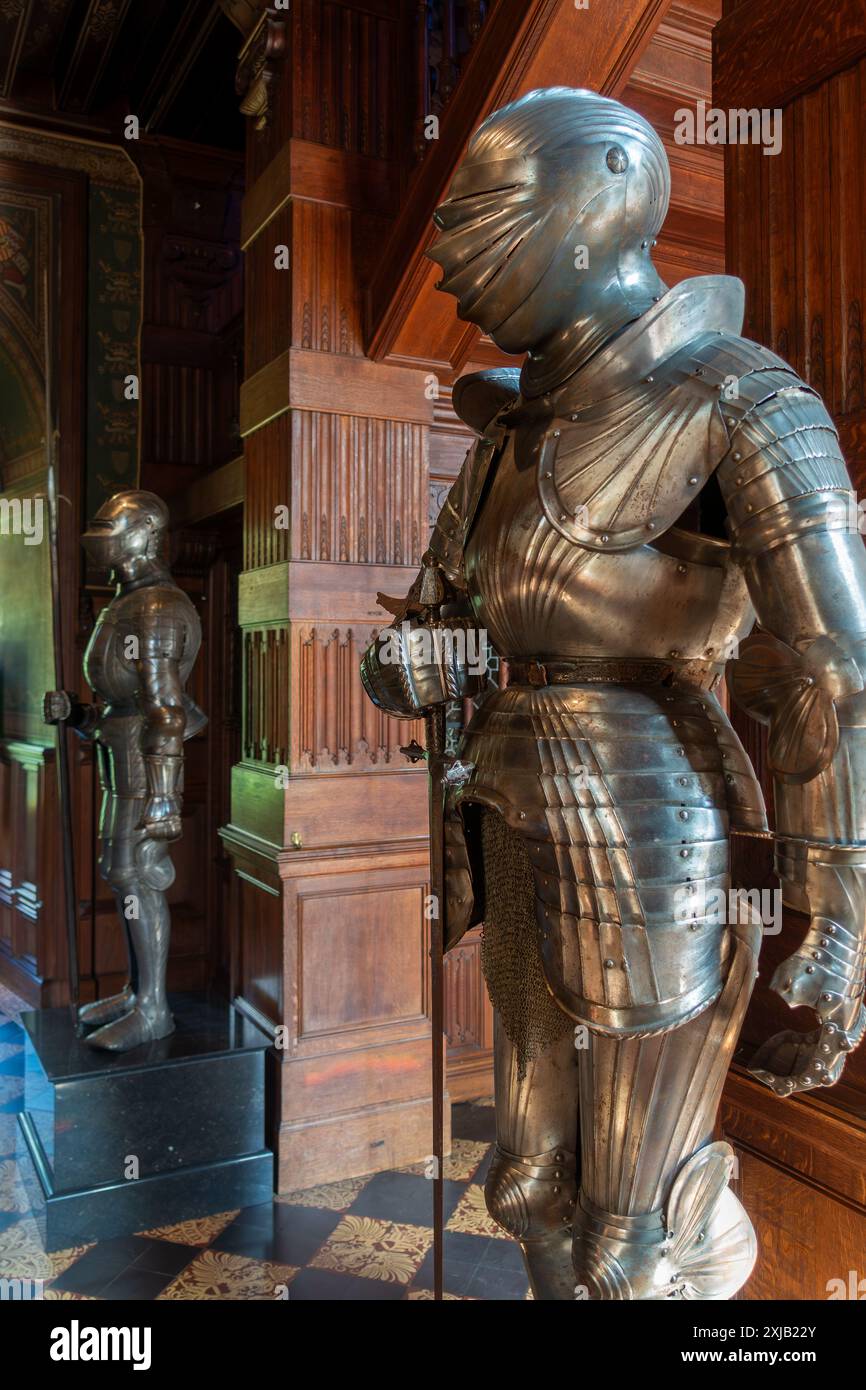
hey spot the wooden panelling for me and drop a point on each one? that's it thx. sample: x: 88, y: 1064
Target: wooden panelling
x: 469, y: 1021
x: 524, y: 44
x: 357, y: 994
x: 258, y: 967
x: 359, y: 486
x: 800, y: 1177
x: 336, y: 727
x: 347, y: 90
x: 266, y: 694
x: 350, y: 590
x: 370, y: 809
x: 267, y: 455
x: 343, y: 931
x: 375, y: 1139
x: 268, y: 294
x: 783, y: 48
x: 207, y: 497
x: 794, y: 235
x: 326, y: 306
x: 329, y: 384
x: 340, y: 927
x: 336, y: 487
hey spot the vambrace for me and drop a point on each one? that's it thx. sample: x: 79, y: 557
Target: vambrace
x: 794, y: 525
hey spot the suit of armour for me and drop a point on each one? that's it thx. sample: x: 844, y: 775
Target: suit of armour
x: 644, y: 489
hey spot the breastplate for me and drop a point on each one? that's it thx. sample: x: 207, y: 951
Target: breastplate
x: 538, y: 594
x: 110, y: 659
x: 110, y: 674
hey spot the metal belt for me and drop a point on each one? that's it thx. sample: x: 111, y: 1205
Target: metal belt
x: 619, y: 671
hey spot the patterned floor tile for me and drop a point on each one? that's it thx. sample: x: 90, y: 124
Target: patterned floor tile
x: 167, y: 1257
x: 472, y: 1121
x: 373, y: 1249
x: 360, y: 1239
x: 504, y: 1255
x: 471, y: 1216
x: 56, y: 1295
x: 495, y: 1284
x: 404, y: 1197
x: 216, y: 1274
x: 277, y: 1233
x: 198, y: 1231
x: 11, y: 1004
x: 8, y: 1135
x: 102, y: 1264
x: 327, y: 1286
x: 457, y: 1274
x: 22, y: 1256
x: 13, y: 1197
x: 331, y: 1196
x: 460, y: 1165
x: 415, y: 1295
x: 11, y: 1088
x: 135, y: 1285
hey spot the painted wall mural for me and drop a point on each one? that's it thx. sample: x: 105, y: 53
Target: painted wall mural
x: 114, y: 318
x: 23, y: 240
x: 25, y: 615
x: 29, y: 223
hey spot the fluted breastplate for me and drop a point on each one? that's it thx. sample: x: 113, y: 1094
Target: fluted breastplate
x: 539, y: 594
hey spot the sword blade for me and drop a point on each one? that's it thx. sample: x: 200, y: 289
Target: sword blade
x: 435, y: 724
x: 63, y: 777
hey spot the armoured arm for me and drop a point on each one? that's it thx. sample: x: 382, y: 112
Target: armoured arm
x: 430, y: 654
x: 63, y: 706
x: 161, y: 702
x: 421, y: 660
x: 794, y: 525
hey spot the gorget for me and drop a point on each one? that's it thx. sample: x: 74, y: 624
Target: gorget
x: 636, y: 433
x: 622, y: 447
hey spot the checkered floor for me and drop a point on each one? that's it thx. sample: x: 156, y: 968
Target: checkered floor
x: 364, y: 1238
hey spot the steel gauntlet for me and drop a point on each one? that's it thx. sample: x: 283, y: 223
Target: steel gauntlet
x: 412, y: 667
x: 162, y: 809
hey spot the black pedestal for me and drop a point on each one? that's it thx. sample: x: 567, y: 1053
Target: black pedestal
x: 114, y: 1144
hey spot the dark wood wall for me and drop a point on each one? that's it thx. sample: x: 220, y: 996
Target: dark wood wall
x: 327, y: 826
x: 189, y: 373
x: 32, y: 953
x: 794, y: 234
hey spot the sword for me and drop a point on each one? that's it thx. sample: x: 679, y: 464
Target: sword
x: 63, y: 782
x: 431, y: 598
x: 434, y: 722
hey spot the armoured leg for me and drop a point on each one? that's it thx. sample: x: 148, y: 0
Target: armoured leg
x: 139, y: 872
x: 113, y: 1005
x: 655, y: 1218
x: 106, y: 1010
x: 531, y: 1188
x: 532, y: 1185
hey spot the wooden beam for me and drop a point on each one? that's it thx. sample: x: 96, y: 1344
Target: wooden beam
x: 211, y: 495
x: 301, y: 379
x: 315, y: 173
x: 765, y: 55
x: 14, y: 22
x: 525, y: 44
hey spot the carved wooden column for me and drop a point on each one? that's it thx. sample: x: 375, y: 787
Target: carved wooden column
x: 328, y: 821
x: 794, y: 235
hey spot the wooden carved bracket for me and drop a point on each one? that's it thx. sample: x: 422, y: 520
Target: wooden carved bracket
x: 263, y: 51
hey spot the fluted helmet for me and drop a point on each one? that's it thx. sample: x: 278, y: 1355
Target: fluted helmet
x: 559, y: 194
x: 129, y: 526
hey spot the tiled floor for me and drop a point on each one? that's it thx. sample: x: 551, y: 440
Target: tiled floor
x: 365, y: 1238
